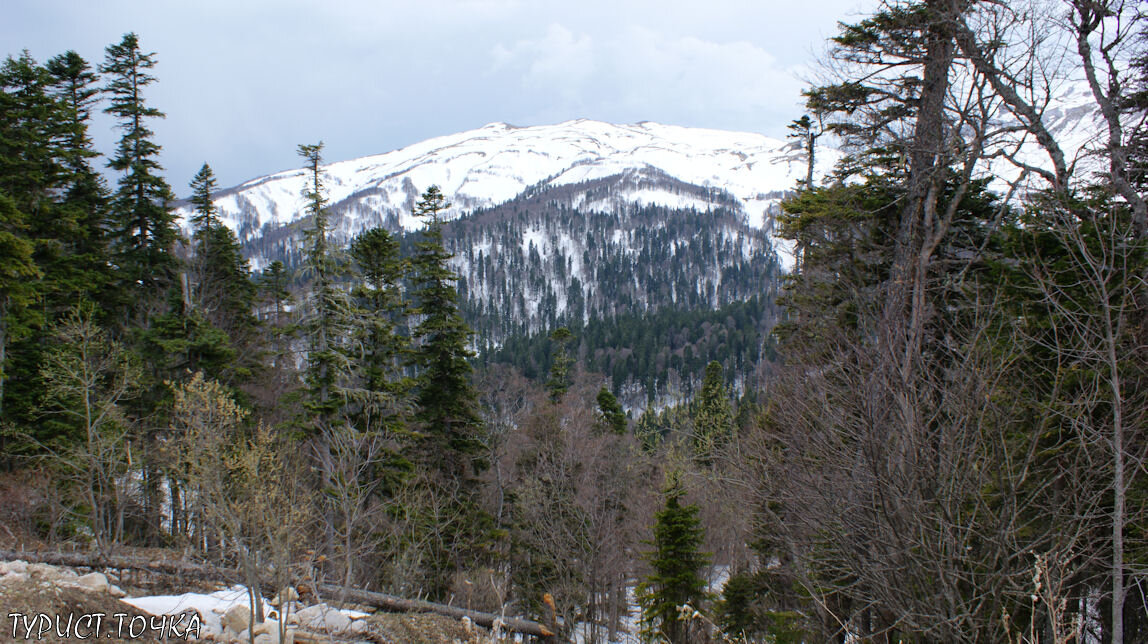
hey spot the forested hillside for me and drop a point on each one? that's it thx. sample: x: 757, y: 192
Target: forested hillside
x: 618, y: 418
x: 658, y: 356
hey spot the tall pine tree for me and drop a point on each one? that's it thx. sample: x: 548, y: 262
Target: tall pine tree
x: 27, y: 176
x: 676, y: 563
x: 222, y: 292
x: 83, y: 270
x: 327, y: 323
x: 145, y: 228
x: 16, y: 271
x: 713, y: 416
x: 449, y: 446
x: 558, y: 382
x: 381, y: 344
x: 450, y: 426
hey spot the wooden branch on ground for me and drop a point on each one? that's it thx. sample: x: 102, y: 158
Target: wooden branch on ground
x: 178, y: 567
x: 203, y: 571
x: 401, y: 605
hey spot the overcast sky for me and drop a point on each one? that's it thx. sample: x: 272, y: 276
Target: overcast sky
x: 244, y: 82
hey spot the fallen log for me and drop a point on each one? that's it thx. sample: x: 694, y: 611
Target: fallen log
x: 178, y: 567
x: 204, y: 571
x: 402, y: 605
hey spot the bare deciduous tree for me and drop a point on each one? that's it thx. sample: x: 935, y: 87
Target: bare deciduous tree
x: 245, y: 491
x: 87, y: 376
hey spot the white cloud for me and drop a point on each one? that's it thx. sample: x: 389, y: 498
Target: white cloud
x: 558, y: 61
x: 636, y: 73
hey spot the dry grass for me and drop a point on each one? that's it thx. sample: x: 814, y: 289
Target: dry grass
x: 33, y: 597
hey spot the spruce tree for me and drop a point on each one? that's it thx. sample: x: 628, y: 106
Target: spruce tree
x: 612, y: 413
x: 713, y: 416
x: 83, y: 270
x: 273, y: 287
x: 676, y: 563
x: 17, y: 270
x: 450, y: 426
x: 381, y: 309
x: 145, y: 228
x: 449, y: 441
x: 327, y: 322
x: 223, y: 289
x: 558, y: 383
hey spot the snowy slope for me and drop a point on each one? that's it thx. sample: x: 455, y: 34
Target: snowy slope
x: 495, y: 163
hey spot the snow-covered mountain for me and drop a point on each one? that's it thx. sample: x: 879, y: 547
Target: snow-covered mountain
x: 582, y: 221
x: 494, y: 164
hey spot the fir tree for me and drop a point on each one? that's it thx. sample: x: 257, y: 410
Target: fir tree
x: 612, y: 413
x: 83, y: 271
x: 203, y: 186
x: 381, y: 348
x: 44, y: 153
x: 675, y: 581
x: 223, y: 290
x: 327, y: 323
x: 713, y: 417
x: 145, y: 227
x: 221, y: 294
x: 559, y: 380
x: 381, y: 345
x: 29, y: 123
x: 449, y: 445
x: 28, y: 177
x: 806, y: 133
x: 273, y: 285
x: 17, y: 270
x: 450, y: 425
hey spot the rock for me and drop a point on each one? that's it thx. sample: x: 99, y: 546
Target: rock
x: 289, y: 594
x: 268, y: 633
x: 116, y: 591
x: 265, y: 627
x: 237, y: 618
x: 321, y: 617
x: 268, y: 638
x: 304, y: 616
x: 13, y: 578
x: 304, y: 637
x: 43, y: 572
x: 336, y: 622
x: 210, y: 628
x: 18, y: 566
x: 94, y: 581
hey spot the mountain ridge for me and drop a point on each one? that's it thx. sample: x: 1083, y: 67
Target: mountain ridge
x: 498, y: 162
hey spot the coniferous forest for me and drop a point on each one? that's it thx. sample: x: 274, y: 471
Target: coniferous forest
x: 933, y: 429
